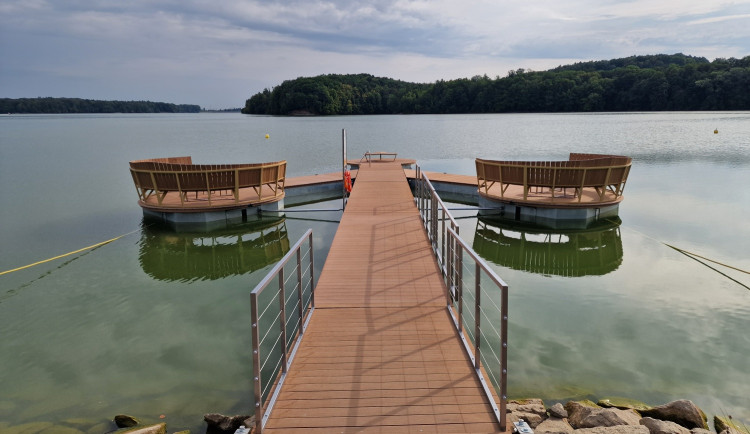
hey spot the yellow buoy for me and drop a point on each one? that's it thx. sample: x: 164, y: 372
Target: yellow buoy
x: 716, y: 131
x: 267, y: 136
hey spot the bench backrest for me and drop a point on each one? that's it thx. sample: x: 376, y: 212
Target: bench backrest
x: 581, y: 170
x: 179, y: 174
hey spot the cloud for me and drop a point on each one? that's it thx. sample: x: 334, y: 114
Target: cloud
x: 217, y: 54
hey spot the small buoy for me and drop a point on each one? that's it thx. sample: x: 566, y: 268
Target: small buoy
x: 716, y: 131
x: 162, y: 416
x: 267, y: 136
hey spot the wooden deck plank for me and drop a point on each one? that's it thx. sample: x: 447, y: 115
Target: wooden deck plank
x: 380, y: 353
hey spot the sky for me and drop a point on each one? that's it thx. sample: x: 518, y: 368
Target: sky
x: 218, y: 53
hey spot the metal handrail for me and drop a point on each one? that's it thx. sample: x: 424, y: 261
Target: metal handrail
x: 289, y: 335
x: 450, y: 249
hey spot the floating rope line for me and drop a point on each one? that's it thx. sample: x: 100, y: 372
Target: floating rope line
x: 685, y: 252
x: 696, y: 257
x: 93, y: 246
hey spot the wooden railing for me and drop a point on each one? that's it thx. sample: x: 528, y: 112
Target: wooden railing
x: 600, y: 172
x: 160, y: 176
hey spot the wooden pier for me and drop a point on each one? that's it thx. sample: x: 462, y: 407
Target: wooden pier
x: 381, y: 354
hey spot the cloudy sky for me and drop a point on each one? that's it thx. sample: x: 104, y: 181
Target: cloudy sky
x: 218, y: 53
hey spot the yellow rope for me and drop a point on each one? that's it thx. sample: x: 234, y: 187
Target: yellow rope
x: 707, y: 259
x: 69, y: 253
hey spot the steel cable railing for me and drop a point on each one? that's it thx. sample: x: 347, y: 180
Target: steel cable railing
x: 281, y: 306
x: 469, y: 281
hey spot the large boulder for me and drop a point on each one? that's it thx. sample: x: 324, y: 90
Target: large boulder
x: 578, y: 410
x: 619, y: 429
x: 623, y: 403
x: 584, y: 415
x: 682, y: 412
x: 656, y: 426
x: 558, y: 411
x: 159, y: 428
x: 125, y: 421
x: 220, y: 424
x: 554, y: 425
x: 532, y: 411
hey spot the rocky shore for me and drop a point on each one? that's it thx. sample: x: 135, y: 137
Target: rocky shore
x: 618, y: 416
x: 608, y: 416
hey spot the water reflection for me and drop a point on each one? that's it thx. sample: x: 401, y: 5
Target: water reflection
x: 596, y: 250
x: 184, y: 256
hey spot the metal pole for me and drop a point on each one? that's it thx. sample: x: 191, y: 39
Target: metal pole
x: 504, y: 355
x: 343, y: 168
x: 255, y: 334
x: 300, y: 296
x: 282, y: 320
x: 312, y: 273
x: 477, y: 313
x: 460, y: 285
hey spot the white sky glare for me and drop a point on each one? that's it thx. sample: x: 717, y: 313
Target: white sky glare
x: 218, y: 54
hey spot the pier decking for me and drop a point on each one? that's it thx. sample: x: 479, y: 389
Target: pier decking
x: 381, y: 353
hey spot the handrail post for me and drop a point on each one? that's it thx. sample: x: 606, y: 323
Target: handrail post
x: 312, y: 273
x: 503, y: 354
x: 449, y: 272
x: 282, y: 319
x: 300, y: 297
x: 434, y: 215
x: 442, y: 242
x: 460, y: 286
x: 257, y: 386
x: 477, y: 314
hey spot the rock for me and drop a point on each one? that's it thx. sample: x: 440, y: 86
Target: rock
x: 586, y: 414
x: 699, y: 431
x: 554, y: 425
x: 619, y: 429
x: 611, y: 417
x: 558, y: 411
x: 532, y: 411
x: 125, y: 421
x: 220, y: 424
x: 623, y: 403
x: 656, y: 426
x: 682, y: 412
x: 159, y: 428
x: 578, y: 410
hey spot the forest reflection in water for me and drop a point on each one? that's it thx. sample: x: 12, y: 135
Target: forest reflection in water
x: 596, y: 250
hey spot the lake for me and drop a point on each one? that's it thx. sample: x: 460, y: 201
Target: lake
x: 156, y: 323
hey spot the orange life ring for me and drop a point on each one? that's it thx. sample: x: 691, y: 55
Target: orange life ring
x: 348, y: 181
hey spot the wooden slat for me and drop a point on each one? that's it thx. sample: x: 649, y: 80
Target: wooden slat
x: 381, y: 353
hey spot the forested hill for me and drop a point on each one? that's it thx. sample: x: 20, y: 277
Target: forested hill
x: 638, y: 83
x: 77, y: 105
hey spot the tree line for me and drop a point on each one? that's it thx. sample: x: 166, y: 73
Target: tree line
x: 638, y: 83
x: 77, y: 105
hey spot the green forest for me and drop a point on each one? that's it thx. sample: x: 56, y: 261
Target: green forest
x: 77, y: 105
x: 638, y: 83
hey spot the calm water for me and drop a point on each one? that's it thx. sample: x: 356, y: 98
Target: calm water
x: 155, y: 323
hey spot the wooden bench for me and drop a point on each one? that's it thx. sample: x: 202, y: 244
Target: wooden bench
x: 160, y: 176
x: 600, y: 172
